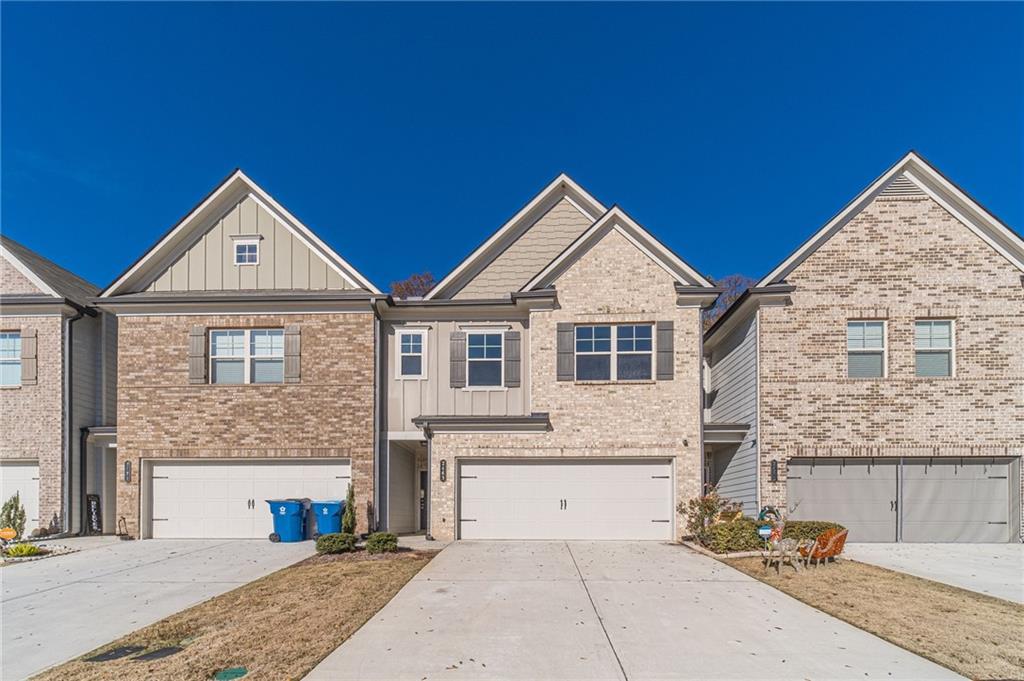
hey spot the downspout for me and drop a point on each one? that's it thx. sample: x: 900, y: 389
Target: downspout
x: 376, y: 419
x: 430, y: 477
x: 65, y: 464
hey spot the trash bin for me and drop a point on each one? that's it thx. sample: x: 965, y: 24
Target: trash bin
x: 289, y: 519
x: 328, y: 516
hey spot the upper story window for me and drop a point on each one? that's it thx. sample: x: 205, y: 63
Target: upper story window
x: 247, y: 252
x: 933, y: 348
x: 247, y: 356
x: 865, y: 349
x: 10, y: 358
x: 411, y: 357
x: 484, y: 359
x: 633, y: 348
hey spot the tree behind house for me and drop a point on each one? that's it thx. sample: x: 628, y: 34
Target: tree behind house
x: 415, y: 286
x: 735, y: 285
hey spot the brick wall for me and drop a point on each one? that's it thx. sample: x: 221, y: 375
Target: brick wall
x: 14, y: 282
x: 900, y: 259
x: 32, y: 416
x: 330, y: 413
x: 614, y: 282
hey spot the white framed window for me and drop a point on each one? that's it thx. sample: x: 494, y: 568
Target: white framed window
x: 865, y: 349
x: 247, y: 252
x: 934, y: 348
x: 622, y: 352
x: 10, y: 358
x: 410, y: 349
x: 240, y: 356
x: 485, y: 359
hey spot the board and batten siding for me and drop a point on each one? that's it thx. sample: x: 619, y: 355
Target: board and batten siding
x: 733, y: 399
x: 285, y: 262
x: 433, y: 395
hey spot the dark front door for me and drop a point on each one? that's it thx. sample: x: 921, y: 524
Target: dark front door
x: 423, y: 500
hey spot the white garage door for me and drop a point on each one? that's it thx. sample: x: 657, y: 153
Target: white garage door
x: 22, y: 478
x: 224, y: 499
x: 565, y: 499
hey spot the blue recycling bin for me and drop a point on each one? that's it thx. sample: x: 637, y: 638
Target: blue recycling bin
x: 328, y: 516
x: 289, y: 519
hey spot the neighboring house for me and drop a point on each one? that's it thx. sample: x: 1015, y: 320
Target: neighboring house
x: 876, y: 376
x: 57, y: 390
x: 549, y: 387
x: 246, y: 372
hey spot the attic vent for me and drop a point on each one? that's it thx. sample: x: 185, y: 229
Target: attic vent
x: 901, y: 186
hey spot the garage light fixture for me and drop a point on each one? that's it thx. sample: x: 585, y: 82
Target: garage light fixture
x: 127, y: 471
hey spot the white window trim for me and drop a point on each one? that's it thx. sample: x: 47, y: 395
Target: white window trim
x: 422, y: 333
x: 884, y: 349
x: 247, y: 357
x: 245, y: 242
x: 614, y: 352
x: 16, y: 360
x: 951, y: 349
x: 483, y: 331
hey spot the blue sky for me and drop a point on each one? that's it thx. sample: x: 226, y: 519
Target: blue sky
x: 404, y: 134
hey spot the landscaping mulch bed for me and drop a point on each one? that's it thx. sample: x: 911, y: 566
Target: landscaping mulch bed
x: 978, y: 636
x: 278, y: 627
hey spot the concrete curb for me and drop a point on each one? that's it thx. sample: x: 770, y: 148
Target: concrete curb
x: 711, y: 554
x: 51, y: 553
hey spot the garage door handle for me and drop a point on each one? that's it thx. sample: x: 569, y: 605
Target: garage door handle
x: 156, y: 519
x: 997, y: 522
x: 467, y: 477
x: 469, y: 520
x: 661, y: 521
x: 660, y: 477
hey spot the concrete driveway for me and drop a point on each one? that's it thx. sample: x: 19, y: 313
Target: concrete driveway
x: 605, y: 610
x: 991, y: 569
x: 59, y: 608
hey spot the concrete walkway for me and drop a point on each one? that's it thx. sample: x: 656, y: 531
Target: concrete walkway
x: 605, y: 610
x: 59, y: 608
x: 991, y: 569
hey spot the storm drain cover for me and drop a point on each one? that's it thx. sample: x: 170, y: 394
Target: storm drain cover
x: 115, y: 654
x: 158, y: 653
x: 230, y: 673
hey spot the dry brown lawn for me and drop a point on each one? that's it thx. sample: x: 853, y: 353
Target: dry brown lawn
x: 977, y: 636
x: 279, y: 627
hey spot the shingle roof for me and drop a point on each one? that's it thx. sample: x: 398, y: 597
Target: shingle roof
x: 65, y: 283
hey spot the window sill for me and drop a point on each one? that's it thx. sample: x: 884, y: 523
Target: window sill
x: 410, y: 378
x: 645, y: 381
x: 484, y: 389
x: 10, y: 387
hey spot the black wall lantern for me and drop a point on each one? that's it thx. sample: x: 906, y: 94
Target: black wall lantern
x: 127, y: 471
x: 444, y: 470
x: 774, y: 475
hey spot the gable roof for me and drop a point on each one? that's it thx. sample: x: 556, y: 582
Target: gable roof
x: 51, y: 279
x: 562, y: 187
x: 618, y: 220
x: 912, y: 174
x: 233, y: 188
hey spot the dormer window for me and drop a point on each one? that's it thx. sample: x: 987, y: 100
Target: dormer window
x: 247, y: 252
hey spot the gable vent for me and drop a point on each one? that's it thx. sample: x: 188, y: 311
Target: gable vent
x: 901, y: 186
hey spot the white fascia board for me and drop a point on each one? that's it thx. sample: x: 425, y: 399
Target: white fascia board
x: 24, y: 270
x: 616, y: 219
x: 555, y: 186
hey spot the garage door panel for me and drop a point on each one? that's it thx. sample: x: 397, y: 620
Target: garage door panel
x: 956, y: 500
x: 859, y: 494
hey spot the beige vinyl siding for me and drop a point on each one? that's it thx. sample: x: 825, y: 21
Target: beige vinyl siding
x: 285, y: 262
x: 529, y: 254
x: 433, y: 395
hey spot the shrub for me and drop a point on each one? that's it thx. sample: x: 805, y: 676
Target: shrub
x: 348, y: 518
x: 702, y: 511
x: 807, y: 529
x: 336, y: 542
x: 735, y: 535
x: 13, y: 515
x: 381, y: 542
x: 22, y: 551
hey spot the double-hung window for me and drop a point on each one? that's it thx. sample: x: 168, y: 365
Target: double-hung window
x: 247, y: 356
x: 865, y: 349
x: 411, y: 359
x: 10, y: 358
x: 614, y: 353
x: 484, y: 359
x: 933, y: 348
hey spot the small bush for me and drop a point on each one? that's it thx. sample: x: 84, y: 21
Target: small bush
x: 13, y: 515
x: 381, y: 542
x: 703, y: 511
x: 22, y: 551
x: 336, y: 542
x: 735, y: 535
x: 807, y: 529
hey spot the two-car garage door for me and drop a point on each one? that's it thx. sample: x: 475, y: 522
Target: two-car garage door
x: 938, y: 499
x: 538, y: 499
x: 227, y: 499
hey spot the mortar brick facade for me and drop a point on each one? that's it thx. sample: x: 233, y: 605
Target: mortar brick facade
x: 900, y: 259
x: 32, y: 416
x: 612, y: 283
x: 14, y: 282
x: 329, y: 413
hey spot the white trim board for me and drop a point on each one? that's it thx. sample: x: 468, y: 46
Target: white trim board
x: 932, y: 182
x: 26, y: 272
x: 236, y: 188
